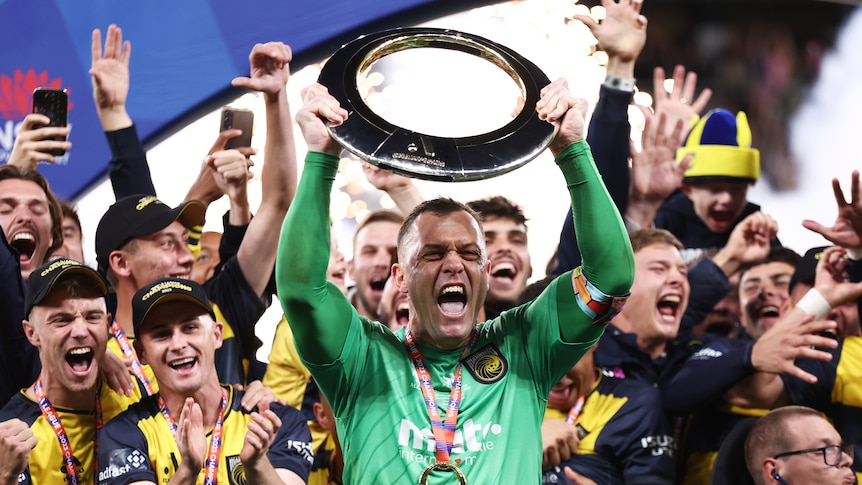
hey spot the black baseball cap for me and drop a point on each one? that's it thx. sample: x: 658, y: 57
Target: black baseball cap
x: 806, y: 269
x: 165, y: 290
x: 139, y: 215
x: 43, y: 279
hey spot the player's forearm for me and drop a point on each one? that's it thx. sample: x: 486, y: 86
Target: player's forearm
x: 184, y: 476
x: 608, y: 262
x: 316, y: 311
x: 279, y: 174
x: 263, y: 473
x: 258, y: 251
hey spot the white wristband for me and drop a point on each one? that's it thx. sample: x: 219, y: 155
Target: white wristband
x: 814, y: 302
x: 623, y: 84
x: 854, y: 253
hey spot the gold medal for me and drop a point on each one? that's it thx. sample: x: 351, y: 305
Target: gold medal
x: 445, y: 467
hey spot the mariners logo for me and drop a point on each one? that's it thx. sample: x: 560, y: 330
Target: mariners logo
x: 487, y: 365
x: 235, y: 470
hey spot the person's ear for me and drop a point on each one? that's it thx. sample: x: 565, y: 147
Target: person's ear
x: 31, y: 334
x: 119, y: 263
x: 686, y: 189
x: 139, y: 349
x: 400, y: 278
x: 218, y: 329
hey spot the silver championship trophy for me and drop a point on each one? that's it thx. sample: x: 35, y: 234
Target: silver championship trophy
x: 423, y: 156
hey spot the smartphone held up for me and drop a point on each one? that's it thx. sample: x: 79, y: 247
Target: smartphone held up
x: 241, y: 119
x: 53, y: 103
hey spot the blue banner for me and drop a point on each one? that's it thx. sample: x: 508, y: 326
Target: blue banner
x: 184, y: 55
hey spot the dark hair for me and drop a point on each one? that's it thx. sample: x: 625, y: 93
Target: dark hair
x: 13, y: 172
x: 498, y: 207
x: 777, y: 254
x: 70, y: 211
x: 440, y: 206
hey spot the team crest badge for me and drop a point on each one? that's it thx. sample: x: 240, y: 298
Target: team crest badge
x: 487, y: 365
x: 235, y: 470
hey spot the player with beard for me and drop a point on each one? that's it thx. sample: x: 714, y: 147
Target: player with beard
x: 30, y: 230
x: 505, y: 228
x: 510, y: 362
x: 394, y: 308
x: 374, y: 243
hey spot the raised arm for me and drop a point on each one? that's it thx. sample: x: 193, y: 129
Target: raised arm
x: 608, y: 262
x: 269, y: 73
x: 622, y: 35
x: 128, y: 168
x: 316, y: 310
x: 399, y: 188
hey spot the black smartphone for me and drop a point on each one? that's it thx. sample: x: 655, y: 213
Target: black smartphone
x: 53, y: 103
x: 241, y: 119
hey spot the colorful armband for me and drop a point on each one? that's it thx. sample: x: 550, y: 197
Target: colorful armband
x: 597, y: 305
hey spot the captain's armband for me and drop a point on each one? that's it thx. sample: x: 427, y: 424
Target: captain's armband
x: 597, y: 305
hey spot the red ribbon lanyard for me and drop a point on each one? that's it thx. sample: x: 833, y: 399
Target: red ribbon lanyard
x: 444, y: 431
x: 575, y: 412
x: 65, y: 445
x: 211, y: 474
x: 129, y: 352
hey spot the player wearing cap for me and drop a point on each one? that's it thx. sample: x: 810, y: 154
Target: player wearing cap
x: 59, y: 417
x: 140, y: 239
x: 163, y: 439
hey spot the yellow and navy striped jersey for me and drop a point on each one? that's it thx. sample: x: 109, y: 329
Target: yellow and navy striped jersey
x: 291, y: 380
x: 138, y: 445
x: 625, y: 437
x: 46, y: 465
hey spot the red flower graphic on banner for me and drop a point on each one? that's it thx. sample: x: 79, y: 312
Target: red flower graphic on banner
x: 16, y: 92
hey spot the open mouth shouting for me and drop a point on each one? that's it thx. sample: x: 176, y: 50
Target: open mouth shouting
x: 504, y: 272
x: 452, y: 300
x: 80, y: 360
x: 25, y: 243
x: 402, y: 311
x: 668, y: 309
x: 377, y: 283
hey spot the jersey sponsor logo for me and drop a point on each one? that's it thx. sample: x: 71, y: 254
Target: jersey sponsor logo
x: 122, y: 462
x: 235, y: 470
x: 659, y: 445
x: 707, y: 353
x: 487, y: 365
x: 302, y: 448
x: 470, y: 437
